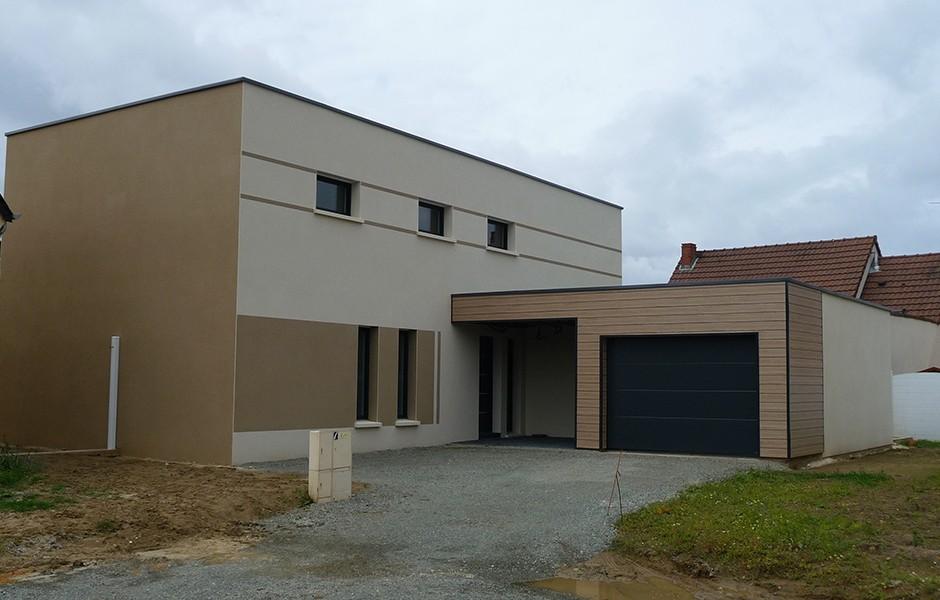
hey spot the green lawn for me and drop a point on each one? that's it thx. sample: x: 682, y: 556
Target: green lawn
x: 17, y: 473
x: 872, y: 532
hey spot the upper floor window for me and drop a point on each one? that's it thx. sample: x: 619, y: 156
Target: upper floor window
x: 430, y: 218
x: 497, y: 234
x: 334, y: 195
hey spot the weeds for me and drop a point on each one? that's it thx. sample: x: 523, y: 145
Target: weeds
x: 829, y: 529
x: 16, y: 472
x: 15, y: 468
x: 107, y: 526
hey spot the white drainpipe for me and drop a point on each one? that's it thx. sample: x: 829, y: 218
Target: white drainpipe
x: 113, y: 391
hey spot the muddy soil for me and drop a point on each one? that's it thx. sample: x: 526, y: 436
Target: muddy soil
x: 113, y: 507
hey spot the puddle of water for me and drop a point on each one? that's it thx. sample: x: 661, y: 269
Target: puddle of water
x: 654, y: 588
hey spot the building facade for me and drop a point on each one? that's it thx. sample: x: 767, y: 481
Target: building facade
x: 271, y: 265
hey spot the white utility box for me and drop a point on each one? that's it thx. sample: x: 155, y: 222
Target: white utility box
x: 330, y: 460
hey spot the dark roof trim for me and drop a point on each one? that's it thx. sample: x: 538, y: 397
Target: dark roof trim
x: 649, y: 286
x: 320, y: 105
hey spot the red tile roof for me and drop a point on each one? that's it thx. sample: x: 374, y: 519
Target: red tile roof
x: 836, y: 265
x: 907, y: 283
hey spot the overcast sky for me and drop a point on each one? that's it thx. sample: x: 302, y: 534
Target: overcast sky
x: 722, y: 123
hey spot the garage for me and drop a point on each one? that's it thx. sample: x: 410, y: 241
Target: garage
x: 772, y: 368
x: 697, y: 394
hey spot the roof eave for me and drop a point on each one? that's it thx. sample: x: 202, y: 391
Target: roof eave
x: 320, y: 105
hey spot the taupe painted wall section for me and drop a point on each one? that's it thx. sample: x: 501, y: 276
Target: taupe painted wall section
x: 759, y: 308
x: 130, y: 229
x: 806, y: 371
x: 293, y: 374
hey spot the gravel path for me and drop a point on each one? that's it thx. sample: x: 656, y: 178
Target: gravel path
x: 445, y: 522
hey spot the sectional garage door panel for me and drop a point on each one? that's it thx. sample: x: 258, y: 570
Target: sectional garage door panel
x: 696, y: 394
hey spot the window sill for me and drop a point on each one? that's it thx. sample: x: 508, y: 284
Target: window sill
x: 335, y: 215
x: 406, y: 423
x: 501, y: 251
x: 439, y: 238
x: 367, y: 424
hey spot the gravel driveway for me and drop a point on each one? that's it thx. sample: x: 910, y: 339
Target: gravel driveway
x: 444, y: 522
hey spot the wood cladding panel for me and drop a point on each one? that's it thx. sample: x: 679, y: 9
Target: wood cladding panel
x: 806, y: 371
x: 740, y: 308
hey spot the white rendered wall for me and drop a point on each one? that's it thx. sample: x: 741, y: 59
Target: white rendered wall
x: 914, y: 345
x: 856, y: 376
x: 917, y: 406
x: 297, y: 264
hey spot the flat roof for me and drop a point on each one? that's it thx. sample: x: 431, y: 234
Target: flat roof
x: 320, y: 105
x: 678, y: 284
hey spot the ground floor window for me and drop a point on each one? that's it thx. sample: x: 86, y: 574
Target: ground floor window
x: 362, y: 373
x: 405, y: 345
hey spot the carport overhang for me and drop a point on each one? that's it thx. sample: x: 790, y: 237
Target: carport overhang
x: 784, y: 314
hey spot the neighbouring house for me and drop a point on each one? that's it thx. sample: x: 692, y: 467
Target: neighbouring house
x: 908, y: 285
x: 273, y: 265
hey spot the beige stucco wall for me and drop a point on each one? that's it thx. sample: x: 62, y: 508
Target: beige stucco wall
x: 856, y: 375
x: 129, y: 228
x: 376, y: 270
x: 936, y: 350
x: 550, y: 396
x: 914, y: 345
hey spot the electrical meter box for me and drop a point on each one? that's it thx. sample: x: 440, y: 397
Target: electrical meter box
x: 330, y: 465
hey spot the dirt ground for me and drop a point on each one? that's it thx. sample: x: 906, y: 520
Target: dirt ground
x: 112, y: 507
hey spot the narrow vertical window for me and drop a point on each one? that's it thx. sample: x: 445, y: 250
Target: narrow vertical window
x: 362, y: 374
x: 404, y: 371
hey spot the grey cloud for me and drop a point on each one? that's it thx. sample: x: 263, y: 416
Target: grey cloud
x: 810, y: 121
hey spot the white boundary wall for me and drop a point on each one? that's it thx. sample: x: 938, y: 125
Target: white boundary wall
x: 917, y: 405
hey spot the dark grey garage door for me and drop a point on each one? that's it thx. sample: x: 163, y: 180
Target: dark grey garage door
x: 683, y: 393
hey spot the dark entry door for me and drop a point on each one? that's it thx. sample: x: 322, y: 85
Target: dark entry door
x: 694, y: 394
x: 486, y: 386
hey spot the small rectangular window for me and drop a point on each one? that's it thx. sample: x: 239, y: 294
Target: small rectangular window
x: 362, y: 374
x: 334, y: 195
x: 430, y: 218
x: 497, y: 234
x: 404, y: 371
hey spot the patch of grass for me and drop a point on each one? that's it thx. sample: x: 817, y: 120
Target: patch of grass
x: 16, y: 473
x: 23, y: 502
x: 859, y: 534
x: 303, y: 497
x: 15, y: 468
x: 762, y: 522
x: 107, y: 526
x: 927, y: 444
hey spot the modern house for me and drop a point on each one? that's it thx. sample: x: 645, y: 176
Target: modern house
x: 273, y: 265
